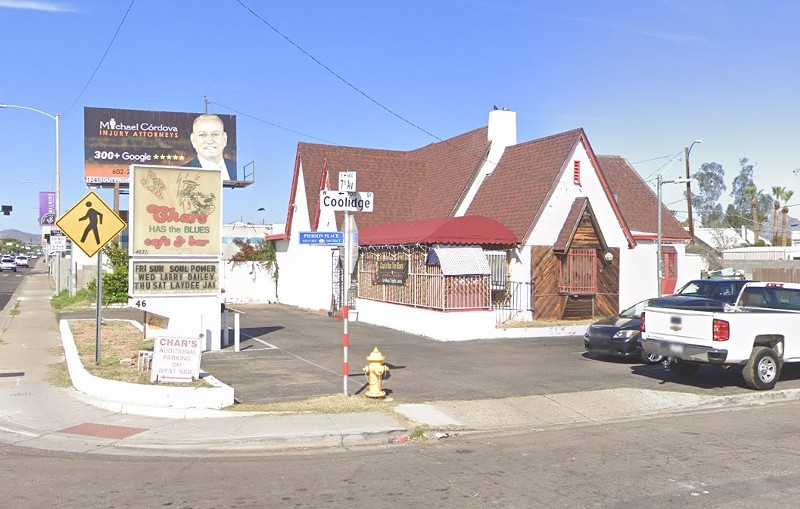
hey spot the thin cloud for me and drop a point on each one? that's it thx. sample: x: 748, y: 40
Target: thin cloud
x: 666, y: 36
x: 31, y: 5
x: 653, y: 34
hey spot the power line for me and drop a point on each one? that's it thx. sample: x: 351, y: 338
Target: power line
x: 652, y: 159
x: 108, y: 48
x: 272, y: 124
x: 658, y: 170
x: 336, y: 75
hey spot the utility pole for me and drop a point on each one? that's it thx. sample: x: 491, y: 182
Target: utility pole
x: 688, y: 150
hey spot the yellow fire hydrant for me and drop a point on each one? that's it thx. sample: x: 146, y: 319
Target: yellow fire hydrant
x: 375, y: 371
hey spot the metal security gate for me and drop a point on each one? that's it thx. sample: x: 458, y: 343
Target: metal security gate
x: 337, y: 281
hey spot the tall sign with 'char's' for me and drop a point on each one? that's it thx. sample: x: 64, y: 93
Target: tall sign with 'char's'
x: 175, y: 245
x: 175, y: 211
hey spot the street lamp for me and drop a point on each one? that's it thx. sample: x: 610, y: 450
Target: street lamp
x: 57, y: 119
x: 660, y: 262
x: 688, y: 151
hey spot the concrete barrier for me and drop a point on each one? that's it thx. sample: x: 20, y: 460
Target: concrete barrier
x: 139, y: 396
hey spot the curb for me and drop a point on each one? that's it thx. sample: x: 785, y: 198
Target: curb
x: 137, y: 398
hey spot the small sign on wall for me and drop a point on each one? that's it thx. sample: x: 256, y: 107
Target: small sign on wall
x: 176, y: 359
x: 392, y: 272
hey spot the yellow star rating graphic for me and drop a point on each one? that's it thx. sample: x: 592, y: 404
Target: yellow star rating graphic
x: 169, y: 157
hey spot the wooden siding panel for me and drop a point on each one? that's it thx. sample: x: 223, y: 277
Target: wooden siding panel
x: 578, y: 307
x: 547, y: 302
x: 585, y: 235
x: 607, y: 302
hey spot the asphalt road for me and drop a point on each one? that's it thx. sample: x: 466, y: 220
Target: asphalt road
x: 292, y: 354
x: 9, y: 281
x: 732, y: 458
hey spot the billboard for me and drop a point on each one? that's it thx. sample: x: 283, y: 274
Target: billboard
x: 114, y: 139
x: 47, y: 208
x: 175, y: 211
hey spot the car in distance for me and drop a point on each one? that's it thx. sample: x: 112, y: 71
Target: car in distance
x: 725, y: 290
x: 618, y: 336
x: 21, y: 261
x: 7, y: 263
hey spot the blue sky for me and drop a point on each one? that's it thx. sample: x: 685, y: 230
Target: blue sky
x: 643, y: 78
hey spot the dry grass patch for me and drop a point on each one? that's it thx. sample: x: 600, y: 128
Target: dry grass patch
x: 518, y: 324
x: 333, y: 404
x: 120, y: 342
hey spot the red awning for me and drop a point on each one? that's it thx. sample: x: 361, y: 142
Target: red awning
x: 447, y: 230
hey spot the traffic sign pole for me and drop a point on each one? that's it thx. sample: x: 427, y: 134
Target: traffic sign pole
x: 346, y: 199
x: 91, y: 224
x: 345, y: 307
x: 98, y: 318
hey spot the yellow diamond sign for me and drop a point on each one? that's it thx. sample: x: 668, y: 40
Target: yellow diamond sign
x: 90, y: 224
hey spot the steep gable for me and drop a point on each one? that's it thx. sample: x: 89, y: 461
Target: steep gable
x: 638, y: 202
x: 517, y: 190
x: 419, y: 184
x: 581, y: 216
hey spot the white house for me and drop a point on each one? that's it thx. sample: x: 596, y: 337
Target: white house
x: 585, y: 225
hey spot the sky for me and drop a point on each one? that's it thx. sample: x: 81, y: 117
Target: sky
x: 644, y: 79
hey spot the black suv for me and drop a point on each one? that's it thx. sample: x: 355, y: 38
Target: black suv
x: 723, y: 290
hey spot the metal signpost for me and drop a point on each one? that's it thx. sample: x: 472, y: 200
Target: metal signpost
x: 91, y: 224
x: 346, y: 199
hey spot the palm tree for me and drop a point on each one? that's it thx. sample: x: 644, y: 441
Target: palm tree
x: 777, y: 192
x: 787, y: 195
x: 752, y: 192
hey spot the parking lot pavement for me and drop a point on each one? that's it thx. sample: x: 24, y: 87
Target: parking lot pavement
x: 289, y: 354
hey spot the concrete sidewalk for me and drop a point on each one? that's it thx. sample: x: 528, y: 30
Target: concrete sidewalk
x: 33, y: 413
x: 36, y: 414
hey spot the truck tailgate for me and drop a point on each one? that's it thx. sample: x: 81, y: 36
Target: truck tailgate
x: 679, y: 325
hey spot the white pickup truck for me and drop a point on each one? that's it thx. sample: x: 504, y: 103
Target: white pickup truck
x: 759, y: 333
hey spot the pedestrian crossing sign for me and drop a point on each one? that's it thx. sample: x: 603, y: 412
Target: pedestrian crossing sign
x: 90, y: 224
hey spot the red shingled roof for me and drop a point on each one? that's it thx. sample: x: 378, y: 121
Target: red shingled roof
x: 448, y: 230
x: 419, y: 184
x: 523, y: 182
x: 638, y: 202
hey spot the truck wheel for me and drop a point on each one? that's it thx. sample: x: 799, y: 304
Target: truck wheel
x: 651, y: 358
x: 684, y: 369
x: 763, y: 369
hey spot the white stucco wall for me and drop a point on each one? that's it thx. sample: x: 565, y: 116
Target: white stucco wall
x: 555, y: 213
x: 637, y: 274
x: 450, y: 326
x: 638, y: 278
x: 248, y: 282
x: 305, y: 271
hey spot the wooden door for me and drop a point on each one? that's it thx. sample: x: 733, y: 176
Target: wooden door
x: 670, y: 260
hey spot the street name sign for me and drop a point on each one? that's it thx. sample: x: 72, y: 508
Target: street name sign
x: 90, y: 224
x: 322, y: 238
x: 353, y: 201
x: 347, y: 181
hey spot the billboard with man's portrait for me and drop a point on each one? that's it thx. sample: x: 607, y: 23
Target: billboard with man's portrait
x: 114, y: 139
